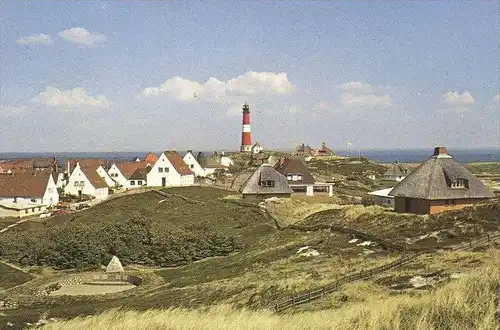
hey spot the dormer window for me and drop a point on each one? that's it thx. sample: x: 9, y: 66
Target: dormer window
x: 267, y: 183
x: 460, y: 183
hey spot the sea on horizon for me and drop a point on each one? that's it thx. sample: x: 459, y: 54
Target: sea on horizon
x: 379, y: 155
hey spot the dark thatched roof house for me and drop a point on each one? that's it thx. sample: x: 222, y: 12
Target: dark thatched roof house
x: 395, y: 172
x: 439, y: 184
x: 265, y: 182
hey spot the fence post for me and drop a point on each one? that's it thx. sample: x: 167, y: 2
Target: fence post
x: 323, y: 291
x: 276, y: 307
x: 310, y: 295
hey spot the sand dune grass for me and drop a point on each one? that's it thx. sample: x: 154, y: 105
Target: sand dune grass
x: 465, y: 303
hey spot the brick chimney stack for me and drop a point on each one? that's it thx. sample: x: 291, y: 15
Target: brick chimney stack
x: 441, y: 152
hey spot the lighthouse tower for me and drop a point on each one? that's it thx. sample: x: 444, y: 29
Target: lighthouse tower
x: 246, y: 133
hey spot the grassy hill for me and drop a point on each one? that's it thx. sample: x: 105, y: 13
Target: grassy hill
x: 10, y: 276
x: 148, y: 229
x: 267, y: 266
x: 467, y: 303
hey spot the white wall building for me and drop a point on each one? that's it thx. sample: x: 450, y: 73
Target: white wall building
x: 37, y: 188
x: 193, y: 164
x: 226, y: 161
x: 170, y: 170
x: 381, y: 197
x: 84, y: 181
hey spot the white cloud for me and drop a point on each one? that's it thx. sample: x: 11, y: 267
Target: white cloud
x: 82, y: 36
x: 455, y: 100
x: 223, y: 92
x: 68, y: 99
x: 10, y: 111
x: 43, y: 39
x: 356, y: 87
x: 356, y: 94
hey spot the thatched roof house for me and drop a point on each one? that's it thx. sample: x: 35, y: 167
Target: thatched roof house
x: 266, y: 182
x: 438, y: 184
x: 395, y: 172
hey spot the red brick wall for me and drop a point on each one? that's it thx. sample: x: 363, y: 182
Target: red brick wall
x: 423, y: 206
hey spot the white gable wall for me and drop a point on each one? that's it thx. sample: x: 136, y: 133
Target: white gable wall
x: 115, y: 173
x: 51, y: 195
x: 105, y: 176
x: 193, y: 164
x: 79, y: 182
x: 164, y: 172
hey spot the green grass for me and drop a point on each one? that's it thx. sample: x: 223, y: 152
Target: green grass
x: 466, y: 303
x: 10, y: 276
x: 484, y: 167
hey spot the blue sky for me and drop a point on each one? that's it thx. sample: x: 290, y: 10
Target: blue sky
x: 125, y: 76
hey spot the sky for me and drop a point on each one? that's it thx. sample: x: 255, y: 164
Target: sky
x: 151, y: 75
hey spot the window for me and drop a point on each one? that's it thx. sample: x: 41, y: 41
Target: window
x: 449, y: 202
x: 460, y: 183
x: 75, y: 184
x: 82, y: 183
x: 139, y: 183
x: 191, y: 166
x: 26, y: 211
x: 166, y: 169
x: 289, y: 177
x: 267, y: 183
x: 132, y: 183
x: 160, y: 169
x: 33, y: 200
x: 299, y: 177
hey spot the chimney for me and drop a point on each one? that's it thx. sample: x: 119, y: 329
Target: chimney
x: 441, y: 152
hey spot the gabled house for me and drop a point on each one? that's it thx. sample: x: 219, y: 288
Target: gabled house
x: 193, y: 164
x: 396, y: 172
x: 86, y: 181
x: 226, y: 161
x: 300, y: 179
x: 170, y: 170
x: 265, y: 182
x: 438, y: 184
x: 151, y: 158
x: 257, y: 148
x: 29, y: 165
x: 129, y: 175
x: 38, y: 188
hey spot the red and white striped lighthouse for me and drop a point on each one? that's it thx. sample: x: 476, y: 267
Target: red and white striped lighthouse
x: 246, y: 133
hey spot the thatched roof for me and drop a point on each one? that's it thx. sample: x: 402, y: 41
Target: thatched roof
x: 265, y: 172
x: 396, y: 169
x: 433, y: 180
x: 114, y: 266
x: 291, y: 166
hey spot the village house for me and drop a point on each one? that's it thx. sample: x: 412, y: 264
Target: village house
x: 303, y: 151
x: 29, y: 165
x: 193, y: 164
x: 26, y: 194
x: 381, y: 197
x: 300, y: 179
x: 324, y: 151
x: 226, y: 161
x: 257, y: 148
x: 265, y: 182
x: 86, y: 181
x: 170, y: 170
x: 129, y: 175
x: 396, y: 172
x: 439, y: 184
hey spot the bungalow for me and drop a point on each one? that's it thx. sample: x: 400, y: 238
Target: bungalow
x: 266, y: 182
x: 439, y: 184
x: 36, y: 188
x: 303, y: 151
x: 381, y: 197
x: 396, y: 172
x: 86, y: 181
x: 170, y: 170
x: 129, y: 175
x: 300, y: 179
x: 193, y: 164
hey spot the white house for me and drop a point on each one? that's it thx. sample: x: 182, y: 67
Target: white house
x: 86, y: 181
x: 193, y: 164
x: 37, y: 188
x: 226, y: 161
x: 170, y: 170
x: 257, y: 148
x: 129, y: 175
x: 105, y: 176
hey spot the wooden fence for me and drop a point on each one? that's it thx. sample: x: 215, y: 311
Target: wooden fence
x: 308, y: 296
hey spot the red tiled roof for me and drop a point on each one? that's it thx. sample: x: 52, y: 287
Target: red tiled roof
x: 94, y: 178
x: 151, y: 158
x: 176, y: 160
x: 128, y: 168
x: 90, y: 163
x: 24, y: 184
x: 20, y: 165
